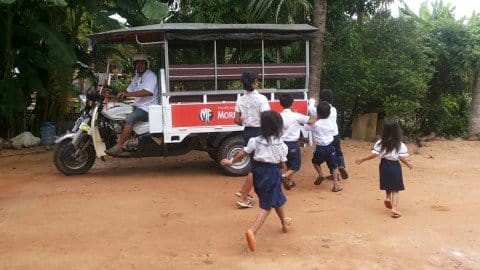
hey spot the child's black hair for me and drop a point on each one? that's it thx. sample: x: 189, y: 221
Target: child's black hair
x: 248, y: 78
x: 391, y: 136
x: 326, y: 95
x: 323, y: 110
x: 271, y: 124
x: 286, y: 100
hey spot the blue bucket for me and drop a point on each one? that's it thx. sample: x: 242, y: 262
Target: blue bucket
x: 47, y: 133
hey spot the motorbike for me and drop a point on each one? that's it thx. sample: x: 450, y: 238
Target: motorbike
x: 98, y: 127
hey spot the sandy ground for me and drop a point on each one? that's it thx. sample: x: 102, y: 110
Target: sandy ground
x: 179, y: 213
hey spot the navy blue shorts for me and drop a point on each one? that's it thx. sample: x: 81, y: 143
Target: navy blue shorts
x: 267, y: 183
x: 294, y: 156
x: 137, y: 115
x: 325, y: 154
x: 338, y: 151
x: 250, y: 132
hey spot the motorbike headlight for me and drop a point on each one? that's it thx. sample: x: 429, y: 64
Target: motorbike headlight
x: 85, y: 127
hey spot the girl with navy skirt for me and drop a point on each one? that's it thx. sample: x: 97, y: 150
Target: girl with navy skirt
x: 390, y: 149
x: 247, y: 114
x: 270, y: 154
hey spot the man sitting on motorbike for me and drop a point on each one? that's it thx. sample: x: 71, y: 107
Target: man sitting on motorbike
x: 144, y: 89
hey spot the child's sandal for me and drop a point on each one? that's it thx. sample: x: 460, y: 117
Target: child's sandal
x: 250, y: 240
x: 287, y: 223
x: 239, y: 194
x: 319, y: 180
x: 396, y: 215
x: 337, y: 189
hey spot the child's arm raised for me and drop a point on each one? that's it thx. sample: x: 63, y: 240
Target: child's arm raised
x: 239, y: 156
x: 405, y: 161
x: 371, y: 156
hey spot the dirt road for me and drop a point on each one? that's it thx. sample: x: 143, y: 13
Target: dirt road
x: 179, y: 213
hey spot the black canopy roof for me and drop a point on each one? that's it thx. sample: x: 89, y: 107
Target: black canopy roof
x: 207, y: 31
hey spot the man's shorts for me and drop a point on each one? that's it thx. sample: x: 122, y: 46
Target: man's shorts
x: 137, y: 115
x: 294, y: 157
x: 325, y: 153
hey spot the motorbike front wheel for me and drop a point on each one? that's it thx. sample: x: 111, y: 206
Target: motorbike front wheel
x: 66, y: 161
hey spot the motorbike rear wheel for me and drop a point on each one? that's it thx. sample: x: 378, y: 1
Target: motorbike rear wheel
x: 68, y: 164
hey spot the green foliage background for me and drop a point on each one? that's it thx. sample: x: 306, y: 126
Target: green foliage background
x: 419, y: 69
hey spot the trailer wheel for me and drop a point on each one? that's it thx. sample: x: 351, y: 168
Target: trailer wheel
x: 228, y: 149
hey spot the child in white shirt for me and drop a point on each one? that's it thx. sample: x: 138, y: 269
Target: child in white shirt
x: 323, y: 132
x: 292, y: 123
x: 270, y: 154
x: 390, y: 149
x: 247, y: 114
x: 327, y: 95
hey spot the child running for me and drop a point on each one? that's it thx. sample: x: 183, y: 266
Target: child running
x: 270, y: 153
x: 390, y: 149
x: 327, y: 95
x: 247, y: 113
x: 292, y: 122
x: 323, y: 130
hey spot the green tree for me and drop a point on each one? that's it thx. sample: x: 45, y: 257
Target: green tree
x: 279, y: 11
x: 35, y: 54
x: 40, y: 52
x: 472, y: 64
x: 142, y: 12
x: 445, y: 107
x: 378, y: 66
x: 211, y: 11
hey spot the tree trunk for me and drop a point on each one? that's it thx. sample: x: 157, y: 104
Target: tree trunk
x: 316, y: 52
x: 474, y: 120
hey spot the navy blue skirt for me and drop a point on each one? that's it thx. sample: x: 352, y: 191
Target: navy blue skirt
x: 267, y: 183
x: 391, y: 178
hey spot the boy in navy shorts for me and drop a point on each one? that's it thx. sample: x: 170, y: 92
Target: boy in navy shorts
x: 323, y: 131
x: 292, y: 122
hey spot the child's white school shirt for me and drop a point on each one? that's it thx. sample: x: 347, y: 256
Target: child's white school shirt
x: 393, y: 155
x: 274, y: 151
x: 333, y: 118
x: 250, y: 105
x: 292, y: 122
x: 312, y: 110
x: 323, y: 131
